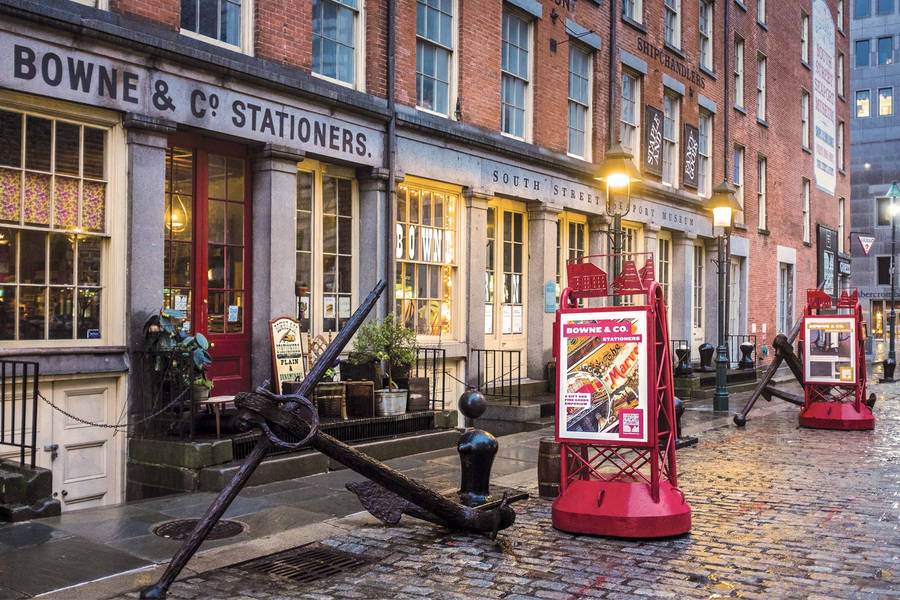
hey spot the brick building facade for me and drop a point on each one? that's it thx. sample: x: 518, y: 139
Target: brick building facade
x: 253, y: 165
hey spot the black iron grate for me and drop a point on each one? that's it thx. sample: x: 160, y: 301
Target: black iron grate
x: 305, y: 563
x: 180, y: 529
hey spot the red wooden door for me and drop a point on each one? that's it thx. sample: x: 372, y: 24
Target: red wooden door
x: 208, y: 250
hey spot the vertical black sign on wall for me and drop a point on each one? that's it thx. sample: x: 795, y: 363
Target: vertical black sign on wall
x: 826, y: 258
x: 689, y: 159
x: 653, y: 137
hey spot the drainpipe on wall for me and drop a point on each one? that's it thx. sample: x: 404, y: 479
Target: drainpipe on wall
x: 727, y: 145
x: 387, y: 303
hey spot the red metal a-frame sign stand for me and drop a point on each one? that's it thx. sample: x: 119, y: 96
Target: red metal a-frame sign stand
x: 834, y: 363
x: 615, y: 413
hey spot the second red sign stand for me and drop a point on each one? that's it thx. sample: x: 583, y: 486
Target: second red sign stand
x: 615, y: 408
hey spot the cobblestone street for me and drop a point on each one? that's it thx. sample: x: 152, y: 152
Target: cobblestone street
x: 778, y: 512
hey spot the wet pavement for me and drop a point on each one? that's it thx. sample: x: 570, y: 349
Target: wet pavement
x: 778, y: 512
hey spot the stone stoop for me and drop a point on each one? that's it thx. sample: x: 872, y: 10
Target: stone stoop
x: 26, y: 493
x: 535, y: 411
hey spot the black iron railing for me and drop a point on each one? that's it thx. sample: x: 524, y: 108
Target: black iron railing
x: 499, y: 374
x: 733, y: 344
x: 19, y: 386
x: 161, y: 402
x: 433, y: 364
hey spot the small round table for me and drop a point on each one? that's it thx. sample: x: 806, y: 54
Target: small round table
x: 217, y: 403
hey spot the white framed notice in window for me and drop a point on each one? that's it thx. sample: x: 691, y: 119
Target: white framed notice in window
x: 517, y: 319
x: 507, y: 318
x: 488, y: 319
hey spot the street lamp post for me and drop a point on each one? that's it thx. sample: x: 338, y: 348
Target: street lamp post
x: 723, y: 205
x: 890, y: 363
x: 619, y: 173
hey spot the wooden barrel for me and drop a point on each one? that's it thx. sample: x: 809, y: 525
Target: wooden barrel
x: 548, y: 468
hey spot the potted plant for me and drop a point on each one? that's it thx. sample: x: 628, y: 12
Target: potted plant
x: 183, y: 357
x: 392, y: 347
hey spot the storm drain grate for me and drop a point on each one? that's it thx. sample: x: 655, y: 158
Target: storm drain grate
x: 305, y: 563
x: 179, y: 530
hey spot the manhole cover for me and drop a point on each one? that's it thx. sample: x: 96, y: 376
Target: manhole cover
x: 178, y: 530
x: 305, y: 563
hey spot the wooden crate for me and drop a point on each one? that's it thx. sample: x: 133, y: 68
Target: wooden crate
x: 330, y: 399
x: 360, y: 398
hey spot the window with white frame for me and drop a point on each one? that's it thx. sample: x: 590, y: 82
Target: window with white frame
x: 704, y: 154
x: 434, y: 52
x: 804, y: 118
x: 53, y: 231
x: 698, y: 285
x: 738, y: 181
x: 785, y: 298
x: 631, y: 116
x: 515, y: 74
x: 885, y: 102
x: 761, y: 11
x: 840, y: 16
x: 579, y: 143
x: 804, y: 37
x: 664, y: 266
x: 672, y: 22
x: 805, y: 211
x: 862, y: 103
x: 326, y: 239
x: 101, y: 4
x: 334, y: 43
x: 631, y: 243
x: 761, y: 87
x: 227, y: 22
x: 761, y: 192
x: 738, y: 71
x: 840, y: 74
x: 706, y: 34
x: 671, y: 120
x: 571, y: 243
x: 840, y: 145
x: 634, y: 10
x: 425, y: 250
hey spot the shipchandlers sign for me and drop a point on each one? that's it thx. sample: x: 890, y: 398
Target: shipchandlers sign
x: 57, y: 71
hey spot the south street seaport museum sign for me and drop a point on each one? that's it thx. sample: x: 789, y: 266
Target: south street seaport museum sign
x: 38, y: 67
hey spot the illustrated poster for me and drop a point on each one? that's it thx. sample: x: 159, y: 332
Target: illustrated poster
x: 287, y: 350
x: 829, y: 349
x: 602, y: 392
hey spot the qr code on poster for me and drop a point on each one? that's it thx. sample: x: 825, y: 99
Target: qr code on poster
x: 631, y: 423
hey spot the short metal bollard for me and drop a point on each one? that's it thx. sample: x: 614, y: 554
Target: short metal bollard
x: 477, y: 449
x: 746, y: 361
x: 706, y: 354
x: 681, y: 441
x: 683, y: 369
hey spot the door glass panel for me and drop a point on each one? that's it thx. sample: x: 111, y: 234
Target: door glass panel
x: 181, y: 265
x: 216, y: 267
x: 235, y: 167
x: 235, y: 314
x: 236, y: 268
x: 216, y: 223
x: 235, y: 223
x: 216, y: 177
x: 215, y: 322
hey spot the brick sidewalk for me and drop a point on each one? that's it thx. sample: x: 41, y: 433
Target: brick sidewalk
x: 778, y: 512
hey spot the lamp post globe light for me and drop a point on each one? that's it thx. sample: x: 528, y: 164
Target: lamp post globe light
x: 890, y: 363
x: 723, y: 205
x: 619, y: 172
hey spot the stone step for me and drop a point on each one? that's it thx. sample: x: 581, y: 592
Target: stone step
x: 13, y: 487
x: 25, y: 493
x: 14, y: 513
x: 707, y: 393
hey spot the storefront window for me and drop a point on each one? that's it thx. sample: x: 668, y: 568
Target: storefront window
x: 571, y: 243
x: 425, y: 248
x: 324, y: 259
x: 53, y: 190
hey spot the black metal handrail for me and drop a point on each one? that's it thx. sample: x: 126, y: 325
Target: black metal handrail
x: 678, y: 345
x: 733, y: 345
x: 499, y: 374
x: 429, y: 359
x: 21, y: 372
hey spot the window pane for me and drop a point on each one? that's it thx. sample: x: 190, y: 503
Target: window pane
x: 32, y: 253
x: 89, y: 249
x: 10, y: 140
x: 885, y: 51
x: 216, y: 260
x: 234, y: 223
x: 93, y: 206
x: 88, y: 311
x: 217, y: 177
x: 67, y: 142
x: 235, y: 174
x: 231, y: 22
x: 7, y: 310
x: 62, y: 259
x: 209, y: 17
x: 65, y: 202
x: 216, y: 224
x: 217, y: 310
x: 31, y: 312
x: 61, y: 312
x: 862, y: 103
x: 189, y: 15
x: 862, y: 53
x: 235, y: 268
x: 885, y: 102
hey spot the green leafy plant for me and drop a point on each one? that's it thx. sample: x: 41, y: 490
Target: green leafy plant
x: 386, y: 342
x: 184, y: 355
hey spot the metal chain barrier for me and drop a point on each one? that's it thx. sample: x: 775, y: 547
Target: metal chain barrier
x: 116, y: 426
